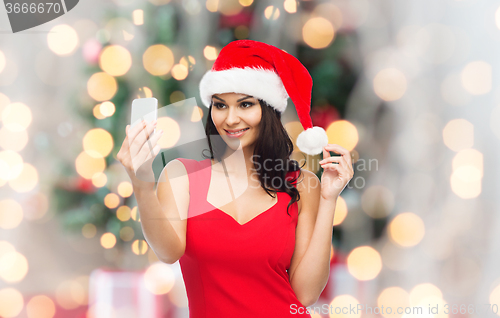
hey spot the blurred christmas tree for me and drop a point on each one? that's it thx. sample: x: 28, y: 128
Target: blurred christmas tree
x: 89, y: 196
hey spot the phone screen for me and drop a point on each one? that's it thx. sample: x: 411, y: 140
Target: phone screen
x: 143, y: 109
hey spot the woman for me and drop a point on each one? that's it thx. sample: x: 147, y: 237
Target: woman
x: 266, y: 252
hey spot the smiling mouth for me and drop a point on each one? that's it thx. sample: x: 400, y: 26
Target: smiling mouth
x: 236, y: 132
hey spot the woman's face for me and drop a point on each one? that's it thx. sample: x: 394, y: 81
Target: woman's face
x: 233, y: 112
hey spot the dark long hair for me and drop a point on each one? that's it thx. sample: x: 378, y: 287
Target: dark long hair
x: 275, y: 150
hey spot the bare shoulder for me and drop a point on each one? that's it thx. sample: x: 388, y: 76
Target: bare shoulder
x: 174, y: 165
x: 307, y: 181
x: 173, y: 170
x: 309, y: 187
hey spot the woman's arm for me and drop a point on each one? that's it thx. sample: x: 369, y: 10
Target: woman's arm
x: 310, y: 264
x: 163, y: 227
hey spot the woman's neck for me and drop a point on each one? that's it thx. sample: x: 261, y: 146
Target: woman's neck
x: 238, y: 161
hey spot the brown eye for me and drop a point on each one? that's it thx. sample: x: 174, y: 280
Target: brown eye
x: 218, y: 105
x: 248, y: 104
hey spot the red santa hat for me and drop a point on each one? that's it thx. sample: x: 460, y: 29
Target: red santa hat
x: 268, y: 73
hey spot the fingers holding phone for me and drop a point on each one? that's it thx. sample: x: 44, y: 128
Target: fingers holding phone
x: 143, y: 141
x: 140, y: 146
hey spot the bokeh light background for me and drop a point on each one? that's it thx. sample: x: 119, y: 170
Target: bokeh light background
x: 419, y: 223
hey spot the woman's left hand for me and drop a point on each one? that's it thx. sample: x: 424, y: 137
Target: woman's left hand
x: 337, y: 171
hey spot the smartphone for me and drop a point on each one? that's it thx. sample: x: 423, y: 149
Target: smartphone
x: 144, y: 109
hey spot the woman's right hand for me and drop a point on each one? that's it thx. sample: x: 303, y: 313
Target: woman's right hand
x: 137, y: 156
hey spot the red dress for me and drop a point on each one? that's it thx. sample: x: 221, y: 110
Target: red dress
x: 233, y: 270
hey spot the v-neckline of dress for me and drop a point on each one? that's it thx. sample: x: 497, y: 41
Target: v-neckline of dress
x: 227, y: 214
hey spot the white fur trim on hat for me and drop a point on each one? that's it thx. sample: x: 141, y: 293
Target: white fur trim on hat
x: 312, y: 140
x: 257, y: 82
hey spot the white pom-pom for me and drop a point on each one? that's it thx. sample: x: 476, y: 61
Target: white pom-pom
x: 312, y: 140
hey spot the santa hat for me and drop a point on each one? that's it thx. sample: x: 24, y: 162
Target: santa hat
x: 268, y: 73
